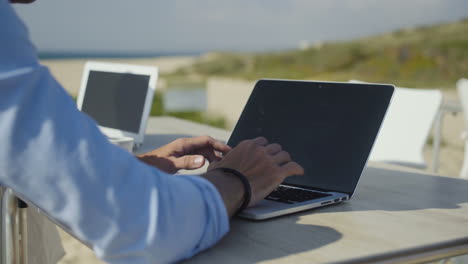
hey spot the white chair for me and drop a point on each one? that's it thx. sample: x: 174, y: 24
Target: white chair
x: 406, y: 128
x: 462, y: 86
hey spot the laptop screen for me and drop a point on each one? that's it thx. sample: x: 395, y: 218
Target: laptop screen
x: 116, y: 100
x: 328, y: 128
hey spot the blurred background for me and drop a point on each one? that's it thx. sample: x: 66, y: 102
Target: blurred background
x: 203, y: 44
x: 210, y: 52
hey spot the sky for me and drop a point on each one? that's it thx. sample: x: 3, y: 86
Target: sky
x: 152, y: 26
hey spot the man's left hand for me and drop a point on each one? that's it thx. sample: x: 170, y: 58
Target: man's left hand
x: 185, y: 153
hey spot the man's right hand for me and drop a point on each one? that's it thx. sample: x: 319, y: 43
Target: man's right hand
x: 265, y: 166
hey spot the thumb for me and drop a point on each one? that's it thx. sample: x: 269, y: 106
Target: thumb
x: 189, y: 162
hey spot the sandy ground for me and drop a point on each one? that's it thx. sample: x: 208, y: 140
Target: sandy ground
x: 68, y: 72
x: 76, y: 252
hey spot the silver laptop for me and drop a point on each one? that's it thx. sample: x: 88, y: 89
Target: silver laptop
x: 118, y: 97
x: 327, y: 127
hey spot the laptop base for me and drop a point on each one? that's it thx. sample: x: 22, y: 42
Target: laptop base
x: 267, y: 209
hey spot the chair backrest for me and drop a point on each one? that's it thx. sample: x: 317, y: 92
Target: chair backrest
x: 406, y: 127
x: 462, y: 87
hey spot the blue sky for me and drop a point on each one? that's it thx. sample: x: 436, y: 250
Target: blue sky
x: 203, y: 25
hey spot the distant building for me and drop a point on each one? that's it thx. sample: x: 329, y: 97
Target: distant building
x: 304, y: 45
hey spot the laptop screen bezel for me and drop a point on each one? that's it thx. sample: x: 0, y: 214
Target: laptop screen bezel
x: 150, y: 71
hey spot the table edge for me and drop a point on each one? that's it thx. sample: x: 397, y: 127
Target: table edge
x: 421, y: 254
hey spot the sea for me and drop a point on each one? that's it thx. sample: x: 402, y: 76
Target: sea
x: 50, y: 55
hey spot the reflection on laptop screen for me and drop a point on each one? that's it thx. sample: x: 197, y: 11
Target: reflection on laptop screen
x: 329, y: 130
x: 116, y: 100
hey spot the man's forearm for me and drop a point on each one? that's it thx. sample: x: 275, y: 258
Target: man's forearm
x: 229, y: 187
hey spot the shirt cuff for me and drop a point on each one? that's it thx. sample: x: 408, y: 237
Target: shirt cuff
x: 215, y: 207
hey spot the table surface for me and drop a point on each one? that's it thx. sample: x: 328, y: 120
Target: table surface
x: 396, y: 216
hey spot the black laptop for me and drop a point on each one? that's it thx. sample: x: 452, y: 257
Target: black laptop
x: 328, y: 127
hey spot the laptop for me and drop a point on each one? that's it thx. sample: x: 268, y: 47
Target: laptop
x: 328, y: 127
x: 118, y: 97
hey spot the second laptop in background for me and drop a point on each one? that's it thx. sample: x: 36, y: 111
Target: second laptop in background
x: 118, y: 97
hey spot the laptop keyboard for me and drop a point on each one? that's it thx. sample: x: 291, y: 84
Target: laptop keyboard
x: 288, y: 195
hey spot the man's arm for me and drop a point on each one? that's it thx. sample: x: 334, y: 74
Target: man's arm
x: 55, y: 157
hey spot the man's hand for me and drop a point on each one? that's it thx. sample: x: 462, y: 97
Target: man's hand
x: 265, y: 166
x: 185, y: 153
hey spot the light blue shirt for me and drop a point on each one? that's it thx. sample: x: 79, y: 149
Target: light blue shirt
x: 55, y: 157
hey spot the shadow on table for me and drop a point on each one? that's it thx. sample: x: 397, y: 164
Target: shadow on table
x: 379, y: 190
x: 254, y: 242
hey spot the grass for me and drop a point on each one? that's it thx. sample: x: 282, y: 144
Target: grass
x: 426, y: 57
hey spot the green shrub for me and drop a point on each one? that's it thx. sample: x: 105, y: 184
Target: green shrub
x: 157, y: 109
x: 429, y: 56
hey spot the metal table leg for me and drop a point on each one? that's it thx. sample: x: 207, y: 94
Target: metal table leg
x: 13, y: 228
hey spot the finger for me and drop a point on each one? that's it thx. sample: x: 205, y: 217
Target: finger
x: 217, y: 145
x: 273, y: 148
x: 208, y: 153
x: 189, y: 162
x: 219, y: 156
x: 192, y: 144
x: 292, y: 168
x: 282, y: 157
x: 261, y: 141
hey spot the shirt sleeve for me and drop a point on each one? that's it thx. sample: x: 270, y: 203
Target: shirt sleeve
x: 55, y: 157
